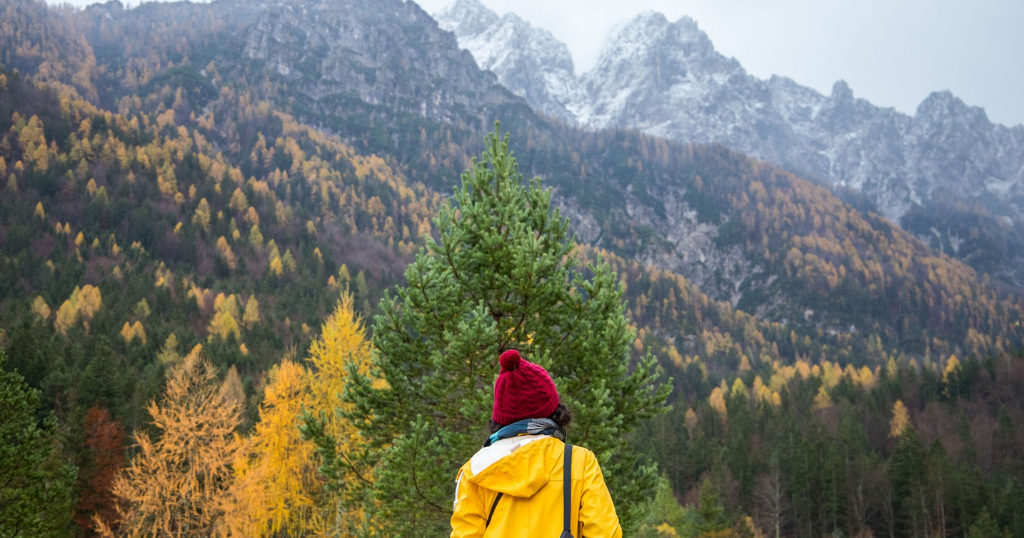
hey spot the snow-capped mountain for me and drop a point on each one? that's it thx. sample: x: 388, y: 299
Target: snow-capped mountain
x: 666, y: 78
x: 529, y: 61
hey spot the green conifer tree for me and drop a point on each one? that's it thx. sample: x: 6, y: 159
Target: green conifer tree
x: 503, y: 275
x: 35, y: 492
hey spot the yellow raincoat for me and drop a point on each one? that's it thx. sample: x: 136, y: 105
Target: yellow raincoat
x: 527, y: 470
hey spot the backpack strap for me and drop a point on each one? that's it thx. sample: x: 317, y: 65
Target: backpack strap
x: 567, y: 492
x: 493, y: 506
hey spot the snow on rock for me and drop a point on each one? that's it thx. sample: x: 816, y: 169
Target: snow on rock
x: 667, y: 79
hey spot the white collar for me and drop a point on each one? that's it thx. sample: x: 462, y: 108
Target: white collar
x: 489, y: 455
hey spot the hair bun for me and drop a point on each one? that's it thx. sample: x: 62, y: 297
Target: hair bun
x: 509, y: 360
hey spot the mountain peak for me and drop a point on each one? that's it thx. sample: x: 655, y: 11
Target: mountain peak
x: 466, y: 17
x: 529, y: 61
x: 943, y: 106
x: 841, y: 91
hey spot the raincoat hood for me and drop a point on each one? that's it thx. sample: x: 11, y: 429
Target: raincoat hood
x: 517, y: 466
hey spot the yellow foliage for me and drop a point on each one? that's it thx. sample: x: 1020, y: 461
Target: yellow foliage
x: 225, y: 318
x: 39, y: 212
x: 40, y: 308
x: 822, y: 400
x: 224, y: 250
x: 276, y: 266
x: 83, y: 303
x: 231, y: 389
x: 717, y: 401
x: 252, y: 312
x: 277, y: 485
x: 177, y: 484
x: 739, y: 388
x: 255, y: 236
x: 238, y: 200
x: 289, y: 261
x: 952, y: 367
x: 691, y: 422
x: 201, y: 218
x: 131, y: 332
x: 252, y: 216
x: 900, y: 419
x: 169, y: 354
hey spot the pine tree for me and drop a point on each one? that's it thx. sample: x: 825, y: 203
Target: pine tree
x: 503, y: 275
x: 35, y: 492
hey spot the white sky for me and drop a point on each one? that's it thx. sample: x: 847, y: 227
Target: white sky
x: 892, y: 52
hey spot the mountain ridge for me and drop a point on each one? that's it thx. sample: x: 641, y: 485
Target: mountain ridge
x: 666, y: 79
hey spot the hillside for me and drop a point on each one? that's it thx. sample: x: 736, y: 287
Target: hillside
x: 744, y: 232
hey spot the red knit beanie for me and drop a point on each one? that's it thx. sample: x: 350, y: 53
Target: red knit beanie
x: 523, y: 390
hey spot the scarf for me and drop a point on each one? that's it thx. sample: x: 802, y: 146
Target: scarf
x: 529, y: 426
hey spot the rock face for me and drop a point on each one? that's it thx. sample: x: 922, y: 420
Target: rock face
x: 529, y: 61
x: 666, y: 79
x: 343, y: 49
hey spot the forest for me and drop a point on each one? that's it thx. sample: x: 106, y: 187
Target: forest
x: 186, y: 260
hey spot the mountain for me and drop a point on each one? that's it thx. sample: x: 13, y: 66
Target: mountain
x: 527, y: 60
x: 368, y: 72
x: 666, y: 79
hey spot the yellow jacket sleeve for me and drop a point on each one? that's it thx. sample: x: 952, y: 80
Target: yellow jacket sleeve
x: 468, y: 519
x: 597, y: 517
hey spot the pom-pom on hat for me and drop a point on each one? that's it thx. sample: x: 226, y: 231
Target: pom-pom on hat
x: 523, y: 390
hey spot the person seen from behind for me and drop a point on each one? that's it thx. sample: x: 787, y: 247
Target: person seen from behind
x: 513, y: 487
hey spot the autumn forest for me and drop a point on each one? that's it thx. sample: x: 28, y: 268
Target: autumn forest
x: 233, y: 306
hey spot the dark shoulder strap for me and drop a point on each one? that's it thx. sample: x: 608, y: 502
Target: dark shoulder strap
x: 493, y: 506
x: 567, y: 492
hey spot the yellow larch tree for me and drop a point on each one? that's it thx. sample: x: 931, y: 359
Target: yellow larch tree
x: 201, y: 218
x: 717, y: 401
x: 822, y: 400
x: 40, y: 308
x: 177, y: 484
x: 225, y: 317
x: 224, y: 250
x: 342, y: 344
x: 277, y: 484
x: 900, y: 419
x: 252, y: 312
x: 83, y: 303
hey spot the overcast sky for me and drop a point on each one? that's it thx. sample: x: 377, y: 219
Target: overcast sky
x: 892, y: 52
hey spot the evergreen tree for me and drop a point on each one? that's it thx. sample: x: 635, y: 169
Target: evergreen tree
x: 35, y: 492
x: 503, y: 275
x: 985, y: 527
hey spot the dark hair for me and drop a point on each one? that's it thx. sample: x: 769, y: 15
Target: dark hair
x: 562, y: 416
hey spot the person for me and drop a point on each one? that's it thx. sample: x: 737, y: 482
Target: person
x: 513, y: 486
